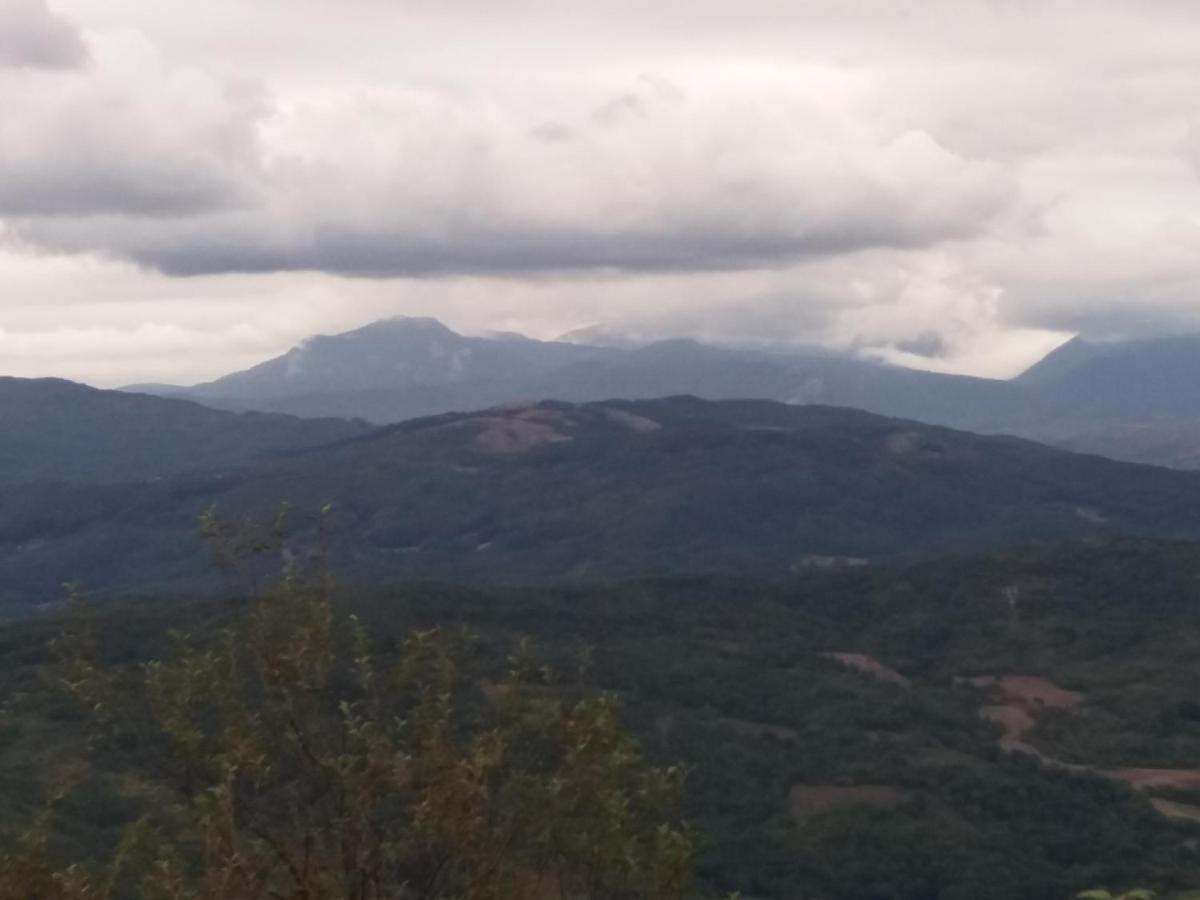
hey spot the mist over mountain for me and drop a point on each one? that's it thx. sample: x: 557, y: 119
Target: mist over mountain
x: 1136, y: 401
x: 407, y: 367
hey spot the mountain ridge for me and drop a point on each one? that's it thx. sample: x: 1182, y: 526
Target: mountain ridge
x: 60, y: 430
x: 613, y: 488
x: 1137, y: 401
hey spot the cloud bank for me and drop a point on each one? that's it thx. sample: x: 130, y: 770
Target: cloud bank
x: 958, y: 185
x: 31, y: 36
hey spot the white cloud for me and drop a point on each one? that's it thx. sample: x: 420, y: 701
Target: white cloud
x: 971, y: 179
x: 395, y: 182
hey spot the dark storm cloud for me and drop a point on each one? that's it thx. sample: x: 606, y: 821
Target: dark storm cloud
x: 201, y: 247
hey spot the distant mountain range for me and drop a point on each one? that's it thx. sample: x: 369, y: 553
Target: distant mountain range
x: 1136, y: 401
x: 61, y: 431
x: 614, y: 488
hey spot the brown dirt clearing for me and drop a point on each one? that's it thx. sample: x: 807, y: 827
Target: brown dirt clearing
x: 1028, y: 690
x: 509, y: 435
x: 870, y: 666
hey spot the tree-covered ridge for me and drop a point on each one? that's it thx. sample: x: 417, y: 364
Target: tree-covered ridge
x: 616, y: 488
x: 57, y: 430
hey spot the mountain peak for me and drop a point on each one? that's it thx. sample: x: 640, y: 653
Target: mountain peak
x: 1063, y: 357
x: 415, y: 326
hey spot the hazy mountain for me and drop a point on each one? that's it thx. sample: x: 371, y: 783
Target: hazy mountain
x: 809, y: 376
x: 404, y: 368
x: 552, y: 489
x: 392, y: 370
x: 600, y: 335
x: 1150, y: 378
x: 59, y: 430
x: 1136, y: 401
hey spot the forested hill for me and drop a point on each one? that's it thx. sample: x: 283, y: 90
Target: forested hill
x: 558, y: 490
x: 59, y: 430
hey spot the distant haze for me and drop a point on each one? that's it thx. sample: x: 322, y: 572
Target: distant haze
x: 957, y: 185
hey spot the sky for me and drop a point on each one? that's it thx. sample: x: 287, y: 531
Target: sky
x: 189, y: 188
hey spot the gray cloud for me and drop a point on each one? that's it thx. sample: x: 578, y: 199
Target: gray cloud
x: 419, y: 184
x: 927, y: 343
x: 998, y: 173
x: 129, y: 135
x: 33, y: 36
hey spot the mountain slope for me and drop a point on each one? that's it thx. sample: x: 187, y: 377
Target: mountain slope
x: 1136, y: 401
x: 551, y: 489
x: 405, y: 368
x: 392, y: 370
x: 670, y: 368
x: 59, y: 430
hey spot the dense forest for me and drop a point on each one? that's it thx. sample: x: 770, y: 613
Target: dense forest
x: 838, y: 729
x: 613, y: 489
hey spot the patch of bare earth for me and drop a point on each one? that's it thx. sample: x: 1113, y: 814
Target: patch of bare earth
x: 806, y: 801
x: 640, y: 424
x: 1027, y: 695
x: 1173, y: 810
x: 1148, y: 779
x: 1030, y: 691
x: 521, y: 430
x: 868, y: 665
x: 1015, y: 722
x: 1022, y: 698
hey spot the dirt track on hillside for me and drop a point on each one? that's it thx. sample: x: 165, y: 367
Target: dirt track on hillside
x: 1027, y: 696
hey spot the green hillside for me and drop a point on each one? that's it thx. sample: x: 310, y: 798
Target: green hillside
x: 57, y: 430
x: 616, y: 488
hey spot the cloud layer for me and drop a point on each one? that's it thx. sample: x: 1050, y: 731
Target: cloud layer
x: 956, y: 185
x: 31, y: 36
x: 186, y: 179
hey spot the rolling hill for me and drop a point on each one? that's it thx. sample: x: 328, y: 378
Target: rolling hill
x: 615, y: 488
x: 61, y: 431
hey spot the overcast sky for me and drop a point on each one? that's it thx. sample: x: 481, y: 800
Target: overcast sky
x: 189, y: 188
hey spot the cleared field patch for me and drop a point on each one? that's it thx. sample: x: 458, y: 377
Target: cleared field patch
x: 868, y: 665
x: 1173, y: 810
x: 1151, y: 779
x: 1032, y: 691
